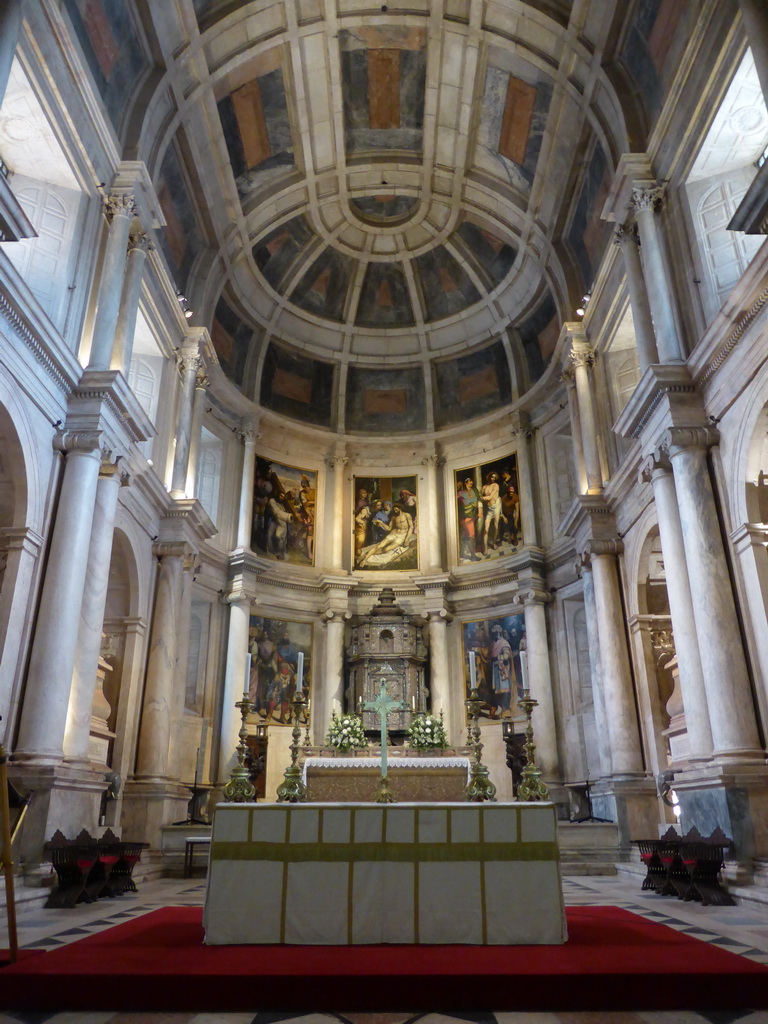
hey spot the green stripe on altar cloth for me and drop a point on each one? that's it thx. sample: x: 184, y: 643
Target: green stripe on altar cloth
x: 419, y: 853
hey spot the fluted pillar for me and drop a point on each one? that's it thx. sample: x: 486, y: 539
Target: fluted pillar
x: 333, y: 684
x: 596, y: 666
x: 724, y: 668
x: 11, y: 14
x: 336, y: 465
x: 196, y: 432
x: 754, y: 14
x: 627, y: 240
x: 156, y: 719
x: 540, y: 681
x: 235, y: 683
x: 190, y: 365
x: 248, y: 435
x: 121, y: 209
x: 583, y: 359
x: 439, y: 667
x: 647, y: 200
x: 89, y: 637
x: 658, y: 470
x: 618, y: 691
x: 569, y: 379
x: 122, y: 351
x: 429, y: 524
x: 522, y: 433
x: 49, y: 677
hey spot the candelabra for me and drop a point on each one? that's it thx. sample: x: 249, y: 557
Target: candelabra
x: 292, y: 790
x: 480, y: 788
x: 240, y: 789
x: 531, y: 786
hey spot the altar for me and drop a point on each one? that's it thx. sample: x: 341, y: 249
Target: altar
x: 418, y: 778
x: 349, y: 874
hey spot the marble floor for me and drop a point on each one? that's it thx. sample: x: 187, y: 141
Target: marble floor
x: 740, y: 929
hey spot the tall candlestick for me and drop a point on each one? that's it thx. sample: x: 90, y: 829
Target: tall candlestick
x: 524, y: 668
x: 247, y: 689
x: 472, y: 670
x: 300, y: 673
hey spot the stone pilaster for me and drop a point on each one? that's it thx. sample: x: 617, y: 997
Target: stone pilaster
x: 235, y: 683
x: 568, y: 378
x: 189, y: 367
x: 196, y: 430
x: 429, y: 527
x: 583, y: 358
x: 121, y: 209
x: 523, y: 433
x: 122, y: 351
x: 627, y: 239
x: 584, y: 568
x: 540, y: 682
x: 336, y: 464
x: 248, y: 435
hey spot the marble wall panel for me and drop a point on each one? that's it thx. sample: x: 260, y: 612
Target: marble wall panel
x: 385, y: 401
x: 298, y: 386
x: 471, y: 385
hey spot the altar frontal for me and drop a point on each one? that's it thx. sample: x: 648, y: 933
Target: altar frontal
x: 352, y: 874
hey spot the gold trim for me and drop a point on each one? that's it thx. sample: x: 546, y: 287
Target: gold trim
x: 417, y: 853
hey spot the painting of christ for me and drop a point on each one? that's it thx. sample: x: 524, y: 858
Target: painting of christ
x: 495, y: 644
x: 385, y: 523
x: 281, y: 662
x: 488, y: 510
x: 284, y: 504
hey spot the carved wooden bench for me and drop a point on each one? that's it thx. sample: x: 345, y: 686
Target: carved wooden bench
x: 687, y: 867
x: 88, y: 869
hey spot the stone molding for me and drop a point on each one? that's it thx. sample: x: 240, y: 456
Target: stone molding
x: 605, y: 547
x: 679, y: 439
x: 744, y: 322
x: 85, y: 442
x: 174, y: 549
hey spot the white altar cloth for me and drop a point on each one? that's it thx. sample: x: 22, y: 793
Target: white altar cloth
x: 366, y: 761
x: 348, y: 874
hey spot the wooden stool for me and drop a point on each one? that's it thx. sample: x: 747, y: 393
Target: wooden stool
x: 189, y: 851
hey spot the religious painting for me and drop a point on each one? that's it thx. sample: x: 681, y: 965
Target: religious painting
x: 385, y: 523
x: 284, y: 505
x: 488, y: 510
x: 296, y: 385
x: 281, y: 663
x: 469, y: 385
x: 386, y: 401
x: 492, y: 651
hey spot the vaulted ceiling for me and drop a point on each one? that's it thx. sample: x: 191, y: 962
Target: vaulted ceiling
x: 384, y: 213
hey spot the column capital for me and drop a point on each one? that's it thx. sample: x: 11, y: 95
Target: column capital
x: 657, y: 462
x: 583, y: 564
x: 248, y: 434
x: 173, y: 549
x: 626, y: 234
x: 605, y: 547
x: 568, y: 377
x: 140, y: 241
x: 120, y: 204
x: 336, y: 461
x: 677, y: 439
x: 236, y: 597
x: 532, y: 596
x: 86, y: 442
x: 202, y: 380
x: 436, y: 460
x: 520, y: 425
x: 190, y: 360
x: 440, y: 615
x: 582, y: 355
x: 648, y: 195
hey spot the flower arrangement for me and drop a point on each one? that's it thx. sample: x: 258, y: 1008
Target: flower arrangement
x: 426, y: 732
x: 346, y: 732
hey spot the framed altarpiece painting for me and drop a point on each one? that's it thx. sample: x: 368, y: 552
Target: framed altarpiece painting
x: 488, y: 510
x: 385, y: 519
x: 275, y: 646
x: 284, y: 506
x: 495, y: 644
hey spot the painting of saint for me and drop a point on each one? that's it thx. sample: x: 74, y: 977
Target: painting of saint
x: 496, y: 647
x: 284, y: 500
x: 488, y: 510
x: 385, y: 523
x: 276, y: 668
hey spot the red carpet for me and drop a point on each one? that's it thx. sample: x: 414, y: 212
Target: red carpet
x: 612, y: 960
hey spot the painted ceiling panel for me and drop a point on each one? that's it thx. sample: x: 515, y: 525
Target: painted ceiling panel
x: 277, y: 253
x: 324, y: 288
x: 445, y: 285
x: 384, y: 298
x: 472, y: 385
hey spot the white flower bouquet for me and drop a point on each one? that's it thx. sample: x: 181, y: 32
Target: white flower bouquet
x: 426, y: 733
x: 346, y: 733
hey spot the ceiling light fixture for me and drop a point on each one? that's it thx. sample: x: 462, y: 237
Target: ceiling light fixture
x: 582, y: 309
x: 184, y: 305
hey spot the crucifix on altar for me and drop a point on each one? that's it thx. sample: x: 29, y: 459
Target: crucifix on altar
x: 382, y: 707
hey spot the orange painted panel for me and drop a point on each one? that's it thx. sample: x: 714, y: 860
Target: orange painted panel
x: 516, y: 123
x: 250, y: 120
x: 384, y: 88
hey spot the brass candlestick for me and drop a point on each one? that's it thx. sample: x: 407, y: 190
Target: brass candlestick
x: 292, y: 790
x: 479, y: 788
x: 531, y: 786
x: 240, y: 789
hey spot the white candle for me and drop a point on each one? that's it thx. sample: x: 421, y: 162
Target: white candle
x: 524, y: 668
x: 300, y: 673
x: 247, y: 689
x: 472, y: 670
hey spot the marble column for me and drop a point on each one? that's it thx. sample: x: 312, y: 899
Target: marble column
x: 540, y: 682
x: 522, y: 433
x: 754, y: 14
x: 658, y: 470
x: 439, y: 668
x: 569, y: 379
x: 248, y: 435
x: 11, y: 14
x: 583, y: 359
x: 618, y: 690
x: 333, y: 683
x: 122, y: 352
x: 121, y: 209
x: 429, y: 524
x: 89, y: 637
x: 647, y: 200
x: 190, y: 365
x: 627, y: 240
x: 724, y: 668
x: 336, y: 465
x: 196, y: 433
x: 152, y: 763
x: 596, y: 666
x: 49, y: 676
x: 22, y: 548
x: 235, y: 683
